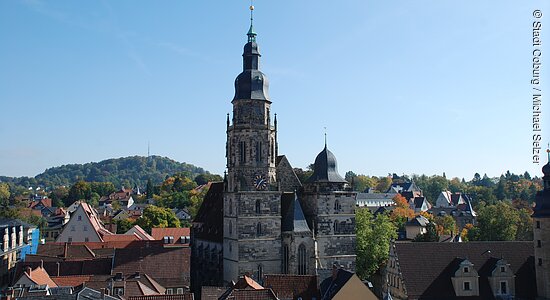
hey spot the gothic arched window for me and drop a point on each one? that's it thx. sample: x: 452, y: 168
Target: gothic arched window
x: 230, y: 228
x: 336, y: 225
x: 302, y: 260
x: 258, y: 207
x: 230, y: 206
x: 242, y: 152
x: 258, y: 151
x: 259, y: 229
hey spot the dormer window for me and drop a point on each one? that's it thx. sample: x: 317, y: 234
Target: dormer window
x: 503, y: 269
x: 466, y: 270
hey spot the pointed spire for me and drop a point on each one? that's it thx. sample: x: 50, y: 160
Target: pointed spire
x: 275, y: 122
x: 251, y: 34
x: 227, y: 120
x: 548, y: 152
x: 325, y: 137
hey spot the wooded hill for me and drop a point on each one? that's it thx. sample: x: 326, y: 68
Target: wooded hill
x: 124, y: 171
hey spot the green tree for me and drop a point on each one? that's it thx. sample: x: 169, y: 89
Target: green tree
x: 496, y: 222
x: 149, y: 191
x: 373, y: 241
x: 81, y: 190
x: 430, y: 235
x: 154, y: 216
x: 384, y: 184
x: 4, y: 193
x: 447, y: 224
x: 122, y: 226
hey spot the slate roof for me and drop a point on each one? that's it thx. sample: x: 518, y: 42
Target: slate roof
x: 168, y: 266
x: 325, y: 168
x: 427, y: 267
x: 293, y: 218
x: 208, y: 223
x: 286, y: 286
x: 331, y: 286
x: 418, y: 221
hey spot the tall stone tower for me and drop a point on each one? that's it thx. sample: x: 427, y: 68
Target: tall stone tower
x: 252, y: 200
x: 330, y: 211
x: 541, y: 235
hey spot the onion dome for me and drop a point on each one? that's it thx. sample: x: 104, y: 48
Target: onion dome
x: 325, y: 168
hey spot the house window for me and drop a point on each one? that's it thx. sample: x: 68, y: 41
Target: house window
x: 119, y: 291
x: 466, y: 269
x: 259, y: 229
x: 337, y: 206
x: 79, y: 218
x: 73, y: 228
x: 86, y: 239
x: 179, y: 291
x: 85, y: 228
x: 540, y: 261
x: 230, y: 228
x: 538, y: 224
x: 230, y: 206
x: 539, y: 244
x: 503, y: 288
x: 336, y: 225
x: 258, y: 207
x: 169, y: 291
x: 70, y: 239
x: 503, y: 269
x: 302, y: 260
x: 467, y: 286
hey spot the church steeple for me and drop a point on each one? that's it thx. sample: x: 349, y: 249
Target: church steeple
x: 251, y: 84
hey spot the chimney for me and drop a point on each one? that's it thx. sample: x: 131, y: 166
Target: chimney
x: 13, y: 238
x: 21, y: 236
x: 6, y: 239
x: 28, y: 270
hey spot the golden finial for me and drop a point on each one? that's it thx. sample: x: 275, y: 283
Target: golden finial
x: 251, y: 7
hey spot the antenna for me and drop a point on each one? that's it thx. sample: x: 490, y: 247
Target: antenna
x: 148, y: 149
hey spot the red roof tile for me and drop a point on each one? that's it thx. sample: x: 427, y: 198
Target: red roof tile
x: 177, y: 233
x: 74, y: 280
x: 39, y: 276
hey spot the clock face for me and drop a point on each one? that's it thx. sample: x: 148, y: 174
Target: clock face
x: 260, y: 183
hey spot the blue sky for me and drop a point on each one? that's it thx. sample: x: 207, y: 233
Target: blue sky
x: 421, y: 87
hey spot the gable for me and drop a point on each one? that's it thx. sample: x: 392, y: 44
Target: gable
x: 286, y: 177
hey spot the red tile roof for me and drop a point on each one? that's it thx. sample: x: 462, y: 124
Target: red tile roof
x: 74, y: 280
x: 184, y: 296
x: 293, y: 286
x: 246, y: 282
x: 177, y: 233
x: 121, y: 238
x: 168, y: 266
x: 39, y: 276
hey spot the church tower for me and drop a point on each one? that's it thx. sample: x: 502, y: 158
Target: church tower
x: 330, y: 210
x: 252, y: 197
x: 541, y: 235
